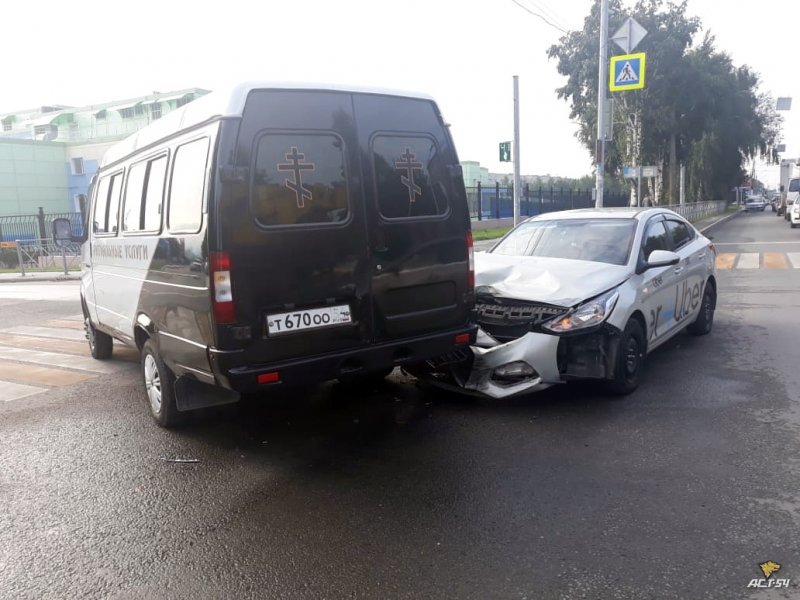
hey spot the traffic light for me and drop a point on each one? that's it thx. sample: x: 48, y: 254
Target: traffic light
x: 505, y: 151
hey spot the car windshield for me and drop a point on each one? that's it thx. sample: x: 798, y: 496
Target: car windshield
x: 794, y: 185
x: 596, y: 240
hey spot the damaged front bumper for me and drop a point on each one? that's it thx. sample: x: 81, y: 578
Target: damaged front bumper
x: 529, y: 363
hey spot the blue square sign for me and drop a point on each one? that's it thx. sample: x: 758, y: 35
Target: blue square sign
x: 627, y: 72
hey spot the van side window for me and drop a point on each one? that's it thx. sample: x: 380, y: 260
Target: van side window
x: 406, y: 168
x: 299, y: 179
x: 106, y: 212
x: 144, y: 195
x: 186, y: 188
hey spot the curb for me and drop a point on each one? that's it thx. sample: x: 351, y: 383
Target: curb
x: 719, y: 221
x: 31, y: 279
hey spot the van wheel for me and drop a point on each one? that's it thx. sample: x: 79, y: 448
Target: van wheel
x: 705, y: 320
x: 100, y: 344
x: 159, y: 383
x: 631, y: 355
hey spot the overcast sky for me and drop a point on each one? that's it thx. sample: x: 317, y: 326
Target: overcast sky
x: 463, y: 52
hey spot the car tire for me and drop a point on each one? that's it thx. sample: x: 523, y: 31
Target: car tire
x: 101, y: 345
x: 705, y: 319
x: 630, y: 361
x: 159, y: 384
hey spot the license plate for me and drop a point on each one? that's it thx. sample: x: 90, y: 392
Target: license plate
x: 313, y: 318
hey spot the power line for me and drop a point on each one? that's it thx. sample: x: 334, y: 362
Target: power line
x: 548, y: 12
x: 535, y: 14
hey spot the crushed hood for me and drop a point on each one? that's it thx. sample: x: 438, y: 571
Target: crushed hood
x: 557, y: 281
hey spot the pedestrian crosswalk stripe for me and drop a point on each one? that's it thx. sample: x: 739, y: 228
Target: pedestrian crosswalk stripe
x: 755, y: 260
x: 48, y: 332
x: 67, y: 361
x: 15, y: 391
x: 726, y: 260
x: 65, y: 323
x: 747, y: 260
x: 774, y: 260
x: 40, y: 343
x: 41, y: 375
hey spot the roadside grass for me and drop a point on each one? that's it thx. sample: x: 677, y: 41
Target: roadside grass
x: 489, y: 234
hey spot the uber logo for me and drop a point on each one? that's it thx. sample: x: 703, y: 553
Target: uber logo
x: 687, y: 299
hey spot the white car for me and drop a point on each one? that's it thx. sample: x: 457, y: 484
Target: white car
x: 794, y: 214
x: 754, y: 203
x: 583, y: 294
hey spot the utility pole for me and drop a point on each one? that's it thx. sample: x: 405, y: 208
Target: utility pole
x: 600, y: 150
x: 516, y: 150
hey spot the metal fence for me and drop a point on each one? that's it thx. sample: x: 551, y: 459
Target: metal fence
x: 36, y: 227
x: 497, y: 202
x: 44, y: 255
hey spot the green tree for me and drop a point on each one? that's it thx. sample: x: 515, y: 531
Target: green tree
x: 697, y: 108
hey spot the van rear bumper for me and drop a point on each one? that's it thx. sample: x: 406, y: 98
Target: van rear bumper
x: 233, y: 372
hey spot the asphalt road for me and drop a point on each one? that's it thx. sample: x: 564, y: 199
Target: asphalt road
x: 678, y: 491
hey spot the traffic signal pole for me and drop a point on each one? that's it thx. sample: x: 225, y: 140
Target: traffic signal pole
x: 602, y: 83
x: 515, y: 152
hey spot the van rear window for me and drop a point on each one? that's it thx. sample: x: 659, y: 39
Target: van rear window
x: 406, y: 168
x: 300, y: 179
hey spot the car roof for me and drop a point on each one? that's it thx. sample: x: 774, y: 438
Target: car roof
x: 633, y: 212
x: 227, y: 103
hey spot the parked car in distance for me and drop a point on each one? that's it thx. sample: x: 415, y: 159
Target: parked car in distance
x: 276, y: 235
x: 792, y: 197
x: 755, y: 203
x: 583, y: 294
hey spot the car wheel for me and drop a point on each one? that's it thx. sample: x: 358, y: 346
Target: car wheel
x: 705, y: 320
x: 631, y: 357
x: 159, y: 383
x: 101, y: 344
x: 792, y: 225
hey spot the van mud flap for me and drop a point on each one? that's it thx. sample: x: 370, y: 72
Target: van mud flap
x: 191, y: 394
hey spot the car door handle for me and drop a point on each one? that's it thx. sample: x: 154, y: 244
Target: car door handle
x: 703, y: 255
x: 678, y: 270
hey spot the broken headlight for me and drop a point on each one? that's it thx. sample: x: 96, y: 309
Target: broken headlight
x: 588, y: 314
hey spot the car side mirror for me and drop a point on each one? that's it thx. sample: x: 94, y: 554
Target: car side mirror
x: 662, y: 258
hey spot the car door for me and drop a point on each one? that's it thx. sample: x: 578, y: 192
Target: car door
x: 659, y: 283
x: 691, y: 272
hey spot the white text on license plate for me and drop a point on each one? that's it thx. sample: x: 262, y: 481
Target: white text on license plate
x: 312, y: 318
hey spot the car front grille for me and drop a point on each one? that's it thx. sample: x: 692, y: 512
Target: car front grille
x: 508, y: 320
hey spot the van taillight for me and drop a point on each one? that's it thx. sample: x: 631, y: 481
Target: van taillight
x: 221, y: 288
x: 471, y: 253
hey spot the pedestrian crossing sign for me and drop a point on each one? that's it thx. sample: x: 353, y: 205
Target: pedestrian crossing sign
x: 627, y: 72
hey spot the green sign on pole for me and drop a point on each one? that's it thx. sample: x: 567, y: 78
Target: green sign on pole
x: 505, y: 151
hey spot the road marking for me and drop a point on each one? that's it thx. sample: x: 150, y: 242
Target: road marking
x: 37, y: 343
x: 64, y: 323
x: 68, y: 361
x: 15, y: 391
x: 748, y: 260
x: 775, y: 260
x: 751, y: 243
x: 47, y: 332
x: 726, y: 260
x: 794, y: 258
x: 41, y: 375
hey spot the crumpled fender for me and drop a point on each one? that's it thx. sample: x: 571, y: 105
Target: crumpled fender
x: 539, y: 350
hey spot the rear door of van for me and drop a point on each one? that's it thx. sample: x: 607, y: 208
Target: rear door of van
x: 344, y: 225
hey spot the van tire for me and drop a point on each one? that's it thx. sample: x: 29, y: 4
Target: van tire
x: 101, y: 344
x: 159, y: 384
x: 630, y: 361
